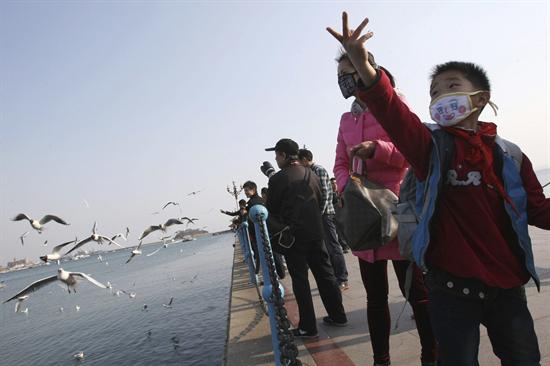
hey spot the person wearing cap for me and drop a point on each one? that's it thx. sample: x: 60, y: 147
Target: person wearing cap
x: 362, y: 140
x: 294, y: 194
x: 328, y: 215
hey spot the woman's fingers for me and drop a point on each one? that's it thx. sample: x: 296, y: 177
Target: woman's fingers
x: 359, y: 29
x: 335, y: 34
x: 345, y: 30
x: 365, y: 37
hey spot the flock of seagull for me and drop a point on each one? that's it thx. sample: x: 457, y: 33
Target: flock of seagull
x: 70, y: 279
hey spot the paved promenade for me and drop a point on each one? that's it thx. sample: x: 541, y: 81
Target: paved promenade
x: 249, y: 341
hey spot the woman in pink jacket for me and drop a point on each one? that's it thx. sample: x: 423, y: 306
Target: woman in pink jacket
x: 376, y: 156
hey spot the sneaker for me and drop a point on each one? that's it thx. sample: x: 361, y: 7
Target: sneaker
x: 343, y: 286
x: 328, y: 321
x: 298, y: 333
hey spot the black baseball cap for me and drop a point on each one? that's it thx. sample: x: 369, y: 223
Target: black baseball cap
x: 288, y: 146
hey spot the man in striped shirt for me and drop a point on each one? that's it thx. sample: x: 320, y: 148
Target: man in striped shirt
x: 328, y: 214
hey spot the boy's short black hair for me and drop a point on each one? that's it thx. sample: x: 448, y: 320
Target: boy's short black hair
x: 472, y: 72
x: 305, y: 153
x: 242, y: 202
x: 333, y: 179
x: 250, y: 185
x: 264, y: 190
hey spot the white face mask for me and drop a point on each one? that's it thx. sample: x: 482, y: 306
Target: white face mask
x: 452, y: 108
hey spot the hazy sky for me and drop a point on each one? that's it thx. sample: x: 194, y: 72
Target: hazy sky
x: 130, y: 104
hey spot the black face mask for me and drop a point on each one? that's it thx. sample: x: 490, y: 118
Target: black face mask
x: 347, y: 84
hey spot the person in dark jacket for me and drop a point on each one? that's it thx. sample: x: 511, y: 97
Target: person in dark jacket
x: 294, y: 195
x: 251, y: 191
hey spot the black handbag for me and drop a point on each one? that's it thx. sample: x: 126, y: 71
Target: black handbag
x: 366, y: 215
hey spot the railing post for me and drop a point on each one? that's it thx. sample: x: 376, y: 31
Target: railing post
x: 242, y: 232
x: 258, y: 214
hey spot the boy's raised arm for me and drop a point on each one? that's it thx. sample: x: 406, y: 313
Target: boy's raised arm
x: 404, y: 128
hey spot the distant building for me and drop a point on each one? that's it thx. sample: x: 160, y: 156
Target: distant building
x: 19, y: 263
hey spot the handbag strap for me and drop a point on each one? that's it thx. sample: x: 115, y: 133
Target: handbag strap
x: 352, y: 156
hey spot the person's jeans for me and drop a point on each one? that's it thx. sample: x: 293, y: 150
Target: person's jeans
x: 334, y: 249
x: 459, y: 306
x: 375, y: 280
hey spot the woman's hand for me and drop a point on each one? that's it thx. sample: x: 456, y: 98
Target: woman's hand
x: 364, y: 150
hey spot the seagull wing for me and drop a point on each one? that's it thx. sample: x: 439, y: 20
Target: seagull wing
x: 139, y: 245
x: 49, y: 218
x: 155, y: 252
x: 148, y: 231
x: 169, y: 203
x: 171, y: 222
x: 111, y: 241
x: 33, y: 287
x: 58, y: 248
x: 78, y: 245
x: 20, y: 217
x: 171, y: 299
x: 129, y: 259
x: 89, y: 278
x: 127, y: 232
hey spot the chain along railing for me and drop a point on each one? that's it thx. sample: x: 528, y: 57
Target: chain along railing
x: 242, y: 233
x: 284, y: 349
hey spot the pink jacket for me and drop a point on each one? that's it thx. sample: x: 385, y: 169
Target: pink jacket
x: 387, y: 167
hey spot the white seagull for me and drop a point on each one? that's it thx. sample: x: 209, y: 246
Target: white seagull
x: 56, y: 252
x: 119, y: 235
x: 38, y: 224
x: 79, y: 356
x: 94, y: 237
x: 22, y: 236
x: 161, y: 227
x: 169, y: 305
x: 135, y: 252
x: 170, y: 203
x: 20, y: 300
x: 68, y: 278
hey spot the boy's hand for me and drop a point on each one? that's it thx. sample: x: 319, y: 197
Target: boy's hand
x: 353, y: 44
x: 364, y: 150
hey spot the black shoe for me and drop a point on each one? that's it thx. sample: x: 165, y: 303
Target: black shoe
x: 298, y: 333
x: 328, y: 321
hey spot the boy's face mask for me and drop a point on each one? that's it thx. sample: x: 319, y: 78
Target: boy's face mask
x: 347, y: 84
x: 451, y: 108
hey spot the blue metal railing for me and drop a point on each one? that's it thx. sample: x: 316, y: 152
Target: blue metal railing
x: 258, y: 214
x: 244, y: 240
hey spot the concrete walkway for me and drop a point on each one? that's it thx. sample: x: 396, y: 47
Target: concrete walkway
x: 249, y: 341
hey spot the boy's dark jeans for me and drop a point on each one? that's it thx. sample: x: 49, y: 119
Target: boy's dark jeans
x: 458, y: 307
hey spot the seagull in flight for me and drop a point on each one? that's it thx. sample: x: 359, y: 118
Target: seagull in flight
x: 170, y: 203
x: 195, y: 192
x: 169, y: 305
x: 94, y: 237
x: 55, y: 255
x: 38, y: 225
x: 161, y: 227
x: 20, y: 300
x: 68, y: 278
x: 22, y: 236
x: 119, y: 235
x: 189, y: 220
x: 135, y: 252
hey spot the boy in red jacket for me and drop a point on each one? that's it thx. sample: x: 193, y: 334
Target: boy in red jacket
x: 473, y: 239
